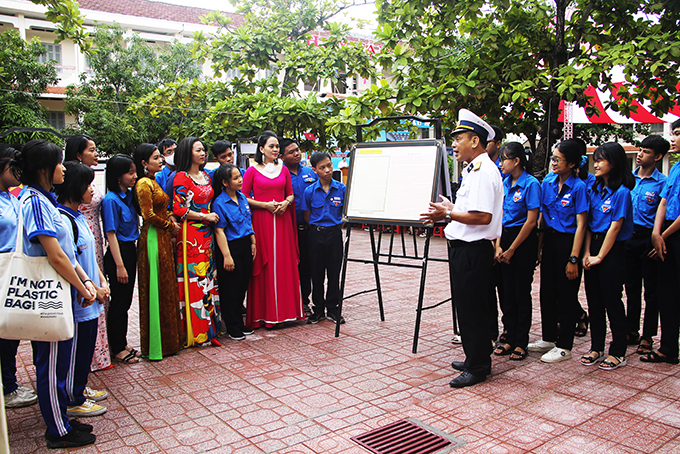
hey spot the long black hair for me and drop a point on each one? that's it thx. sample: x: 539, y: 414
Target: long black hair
x: 224, y: 172
x: 143, y: 153
x: 183, y: 153
x: 116, y: 167
x: 8, y: 158
x: 261, y: 142
x: 571, y: 151
x: 35, y: 156
x: 74, y: 145
x: 620, y: 173
x: 512, y: 150
x: 77, y: 180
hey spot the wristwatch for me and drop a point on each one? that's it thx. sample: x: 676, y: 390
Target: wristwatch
x: 573, y: 259
x: 448, y: 216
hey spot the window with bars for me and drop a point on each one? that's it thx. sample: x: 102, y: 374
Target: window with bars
x: 56, y: 120
x: 52, y: 53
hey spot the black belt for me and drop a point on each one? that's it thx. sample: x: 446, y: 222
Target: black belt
x: 320, y: 228
x: 642, y: 232
x: 303, y: 226
x: 599, y: 236
x: 458, y: 243
x: 514, y: 229
x: 551, y: 230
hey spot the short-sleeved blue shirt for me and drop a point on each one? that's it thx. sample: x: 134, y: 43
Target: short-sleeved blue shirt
x: 561, y: 207
x: 211, y: 172
x: 646, y: 197
x: 9, y: 212
x: 162, y: 176
x: 325, y: 208
x: 304, y: 178
x: 498, y: 164
x: 607, y: 206
x: 671, y: 192
x: 519, y: 199
x: 87, y: 258
x: 236, y: 220
x: 119, y: 216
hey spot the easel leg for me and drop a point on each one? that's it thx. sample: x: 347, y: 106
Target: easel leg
x: 376, y: 259
x: 345, y: 255
x: 456, y: 333
x: 421, y: 293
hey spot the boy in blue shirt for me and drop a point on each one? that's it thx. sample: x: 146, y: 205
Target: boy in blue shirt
x: 301, y: 178
x: 222, y: 151
x: 646, y: 195
x: 322, y: 205
x: 666, y: 241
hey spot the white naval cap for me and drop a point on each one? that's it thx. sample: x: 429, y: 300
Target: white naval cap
x: 468, y: 121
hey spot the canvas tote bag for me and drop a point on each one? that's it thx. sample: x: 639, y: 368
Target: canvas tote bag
x: 36, y: 300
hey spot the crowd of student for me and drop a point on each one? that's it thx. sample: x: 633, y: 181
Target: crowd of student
x: 617, y: 227
x: 206, y: 240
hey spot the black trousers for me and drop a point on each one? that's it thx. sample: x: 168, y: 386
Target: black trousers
x: 517, y: 278
x: 121, y: 295
x: 559, y: 295
x: 494, y: 301
x: 303, y: 265
x: 233, y: 285
x: 604, y: 287
x: 669, y: 297
x: 325, y: 259
x: 640, y: 268
x: 470, y: 268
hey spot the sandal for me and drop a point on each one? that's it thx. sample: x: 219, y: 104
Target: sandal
x: 656, y: 357
x: 645, y: 346
x: 503, y: 349
x: 590, y: 360
x: 130, y: 358
x: 518, y: 354
x: 133, y: 351
x: 582, y: 325
x: 503, y: 338
x: 613, y: 362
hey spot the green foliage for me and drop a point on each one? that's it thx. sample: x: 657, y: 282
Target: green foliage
x: 275, y: 36
x: 22, y: 78
x: 513, y: 61
x: 597, y: 134
x: 126, y: 69
x: 66, y: 15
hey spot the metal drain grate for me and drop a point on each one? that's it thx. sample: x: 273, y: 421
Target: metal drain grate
x: 402, y: 437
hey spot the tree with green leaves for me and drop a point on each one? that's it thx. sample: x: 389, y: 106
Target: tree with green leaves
x: 124, y: 70
x: 275, y: 36
x: 513, y: 61
x: 66, y: 15
x: 22, y: 79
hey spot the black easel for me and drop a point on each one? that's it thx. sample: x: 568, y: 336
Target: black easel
x: 376, y: 254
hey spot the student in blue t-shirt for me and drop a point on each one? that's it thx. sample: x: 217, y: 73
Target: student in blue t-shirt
x: 666, y: 241
x: 322, y: 204
x: 121, y: 226
x: 222, y: 151
x: 649, y: 183
x: 564, y: 215
x: 610, y: 224
x: 235, y: 249
x: 516, y: 249
x: 15, y: 395
x: 167, y: 148
x: 301, y: 178
x: 45, y: 233
x: 71, y: 193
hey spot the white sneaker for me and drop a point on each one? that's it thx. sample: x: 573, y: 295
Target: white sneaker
x: 20, y: 397
x: 556, y: 355
x: 95, y: 395
x: 540, y: 346
x: 88, y: 408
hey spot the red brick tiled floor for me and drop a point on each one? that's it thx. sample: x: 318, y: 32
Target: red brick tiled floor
x: 298, y: 389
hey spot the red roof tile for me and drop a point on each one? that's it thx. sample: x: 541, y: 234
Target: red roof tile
x: 154, y: 10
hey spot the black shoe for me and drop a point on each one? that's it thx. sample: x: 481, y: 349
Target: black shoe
x: 334, y: 318
x: 315, y: 318
x: 243, y: 310
x: 466, y: 379
x: 81, y: 426
x: 247, y: 331
x: 73, y: 439
x: 460, y: 365
x: 236, y: 334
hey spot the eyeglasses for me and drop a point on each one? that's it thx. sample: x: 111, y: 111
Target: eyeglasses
x: 556, y: 160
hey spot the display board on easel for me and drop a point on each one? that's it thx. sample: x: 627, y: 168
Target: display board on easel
x: 388, y: 182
